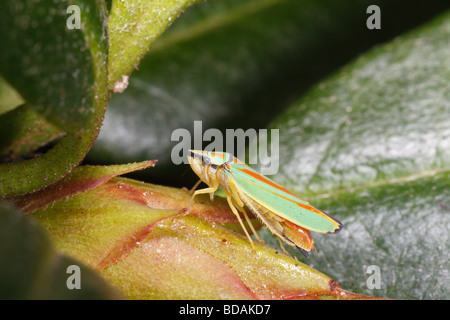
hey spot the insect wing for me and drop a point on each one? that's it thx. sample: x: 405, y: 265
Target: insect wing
x: 281, y: 201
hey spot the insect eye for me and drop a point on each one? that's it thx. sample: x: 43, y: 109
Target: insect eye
x: 206, y: 160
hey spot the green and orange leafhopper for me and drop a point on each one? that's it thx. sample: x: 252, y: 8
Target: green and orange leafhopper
x: 287, y: 216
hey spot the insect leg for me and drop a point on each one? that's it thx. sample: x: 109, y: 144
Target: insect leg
x: 233, y: 208
x: 240, y: 205
x: 201, y: 191
x: 195, y: 186
x: 241, y: 209
x: 284, y: 249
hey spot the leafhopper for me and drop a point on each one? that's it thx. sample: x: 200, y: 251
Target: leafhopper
x: 286, y: 215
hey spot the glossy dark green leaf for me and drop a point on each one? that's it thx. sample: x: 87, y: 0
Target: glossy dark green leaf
x: 380, y: 118
x: 401, y: 227
x: 50, y: 65
x: 371, y: 146
x: 237, y: 64
x: 32, y: 269
x: 59, y: 72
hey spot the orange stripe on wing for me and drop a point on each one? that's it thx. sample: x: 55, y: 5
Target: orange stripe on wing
x: 262, y: 179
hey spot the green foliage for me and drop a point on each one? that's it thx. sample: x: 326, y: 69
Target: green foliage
x: 363, y: 135
x: 62, y: 74
x: 371, y: 145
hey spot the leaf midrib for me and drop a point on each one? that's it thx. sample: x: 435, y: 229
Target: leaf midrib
x: 378, y: 183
